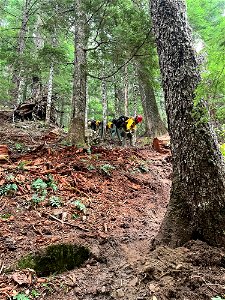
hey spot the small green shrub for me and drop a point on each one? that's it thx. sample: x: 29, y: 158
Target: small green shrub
x: 21, y: 297
x: 40, y: 187
x: 91, y: 167
x: 55, y: 201
x: 8, y: 189
x: 107, y: 168
x: 51, y: 183
x: 79, y: 205
x: 38, y: 184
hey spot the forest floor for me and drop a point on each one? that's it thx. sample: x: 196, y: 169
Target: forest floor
x: 111, y: 201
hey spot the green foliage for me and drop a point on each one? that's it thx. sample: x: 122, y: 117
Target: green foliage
x: 208, y: 21
x: 38, y: 184
x: 37, y: 198
x: 5, y: 216
x: 35, y: 294
x: 55, y: 259
x: 51, y: 183
x: 91, y: 167
x: 41, y: 187
x: 8, y: 189
x: 55, y: 201
x: 41, y: 190
x: 19, y: 147
x: 75, y: 216
x: 217, y: 298
x: 80, y: 206
x: 21, y: 296
x: 106, y: 169
x: 222, y: 149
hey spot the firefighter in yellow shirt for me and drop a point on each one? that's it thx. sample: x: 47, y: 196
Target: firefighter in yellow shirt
x: 125, y: 128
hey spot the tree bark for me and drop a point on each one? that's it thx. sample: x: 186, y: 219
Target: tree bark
x: 197, y: 202
x: 104, y: 108
x: 126, y: 87
x: 77, y: 130
x: 17, y: 78
x: 154, y: 126
x: 49, y: 96
x: 118, y: 98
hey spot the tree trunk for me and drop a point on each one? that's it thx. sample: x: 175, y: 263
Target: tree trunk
x: 104, y: 108
x: 36, y: 89
x: 126, y: 86
x: 197, y: 201
x: 77, y: 130
x: 49, y: 96
x: 154, y: 126
x: 18, y: 71
x: 118, y: 99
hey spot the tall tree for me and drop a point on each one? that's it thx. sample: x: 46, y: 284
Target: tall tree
x: 77, y: 131
x: 197, y: 201
x: 18, y: 76
x: 154, y: 126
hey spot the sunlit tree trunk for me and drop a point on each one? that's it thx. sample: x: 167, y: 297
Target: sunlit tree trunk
x: 197, y: 201
x: 77, y: 130
x: 49, y: 96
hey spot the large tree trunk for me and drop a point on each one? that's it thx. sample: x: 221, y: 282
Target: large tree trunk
x: 197, y: 202
x: 154, y: 126
x: 77, y: 130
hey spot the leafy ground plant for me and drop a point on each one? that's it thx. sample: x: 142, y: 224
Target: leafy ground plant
x: 106, y: 169
x: 41, y: 190
x: 8, y: 189
x: 21, y: 296
x: 41, y: 187
x: 55, y: 201
x: 80, y: 206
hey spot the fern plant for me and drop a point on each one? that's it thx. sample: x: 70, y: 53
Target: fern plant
x: 79, y: 205
x: 55, y: 201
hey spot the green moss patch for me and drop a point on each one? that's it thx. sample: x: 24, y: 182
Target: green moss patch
x: 55, y: 259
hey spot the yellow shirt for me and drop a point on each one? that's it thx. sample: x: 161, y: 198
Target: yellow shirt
x: 130, y: 124
x: 109, y: 124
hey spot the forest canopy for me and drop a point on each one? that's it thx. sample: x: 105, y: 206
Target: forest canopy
x: 37, y: 56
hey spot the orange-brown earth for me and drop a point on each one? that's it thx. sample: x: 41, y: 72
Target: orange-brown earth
x: 125, y: 192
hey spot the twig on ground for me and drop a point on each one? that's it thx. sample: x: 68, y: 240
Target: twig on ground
x: 67, y: 223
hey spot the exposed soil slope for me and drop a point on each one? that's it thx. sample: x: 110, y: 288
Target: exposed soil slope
x: 110, y: 200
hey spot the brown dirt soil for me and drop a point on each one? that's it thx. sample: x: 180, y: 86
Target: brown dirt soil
x: 125, y: 192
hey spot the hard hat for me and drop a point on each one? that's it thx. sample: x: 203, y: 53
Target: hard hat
x: 138, y: 119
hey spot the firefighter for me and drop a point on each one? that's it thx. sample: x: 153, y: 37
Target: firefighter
x: 94, y: 124
x: 125, y: 127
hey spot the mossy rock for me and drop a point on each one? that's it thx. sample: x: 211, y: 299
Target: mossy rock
x: 55, y: 259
